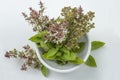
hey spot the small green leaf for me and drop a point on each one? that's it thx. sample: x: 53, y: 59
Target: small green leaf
x: 48, y: 58
x: 70, y: 56
x: 52, y: 52
x: 67, y: 55
x: 77, y: 61
x: 50, y: 45
x: 73, y: 56
x: 36, y: 38
x: 65, y: 50
x: 44, y: 45
x: 97, y: 44
x: 59, y: 54
x: 91, y: 62
x: 44, y: 70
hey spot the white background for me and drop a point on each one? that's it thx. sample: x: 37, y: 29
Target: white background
x: 14, y: 33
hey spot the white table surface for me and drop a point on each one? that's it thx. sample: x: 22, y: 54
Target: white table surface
x: 14, y: 33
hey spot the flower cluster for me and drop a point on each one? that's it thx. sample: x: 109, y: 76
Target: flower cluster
x: 78, y: 24
x: 37, y: 18
x: 57, y: 32
x: 29, y: 55
x: 56, y: 29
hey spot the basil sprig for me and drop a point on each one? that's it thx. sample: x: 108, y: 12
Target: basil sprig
x: 95, y: 45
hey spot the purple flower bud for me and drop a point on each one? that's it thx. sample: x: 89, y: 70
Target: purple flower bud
x: 26, y: 47
x: 80, y: 10
x: 7, y: 55
x: 60, y: 35
x: 41, y: 4
x: 34, y: 14
x: 24, y: 67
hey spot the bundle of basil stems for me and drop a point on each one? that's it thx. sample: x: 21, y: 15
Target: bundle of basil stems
x: 57, y: 37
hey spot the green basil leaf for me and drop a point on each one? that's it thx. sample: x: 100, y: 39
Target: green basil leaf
x: 48, y: 58
x: 44, y: 70
x: 52, y: 52
x: 77, y: 61
x: 67, y: 55
x: 71, y: 56
x: 59, y: 54
x: 44, y: 45
x: 50, y: 45
x: 97, y: 44
x: 91, y: 62
x: 65, y: 50
x: 59, y: 59
x: 36, y: 38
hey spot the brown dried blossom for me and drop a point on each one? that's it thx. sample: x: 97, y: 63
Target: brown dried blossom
x: 57, y: 30
x: 24, y: 67
x: 29, y: 56
x: 36, y: 18
x: 78, y: 24
x: 11, y: 54
x: 33, y: 13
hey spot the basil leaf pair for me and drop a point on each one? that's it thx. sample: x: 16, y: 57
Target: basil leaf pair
x: 95, y: 45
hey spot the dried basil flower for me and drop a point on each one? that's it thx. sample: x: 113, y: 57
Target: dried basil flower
x: 29, y: 56
x: 78, y: 24
x: 36, y: 18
